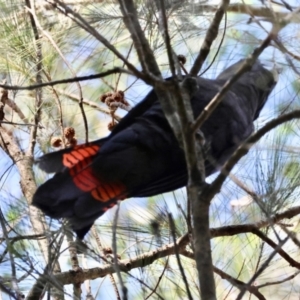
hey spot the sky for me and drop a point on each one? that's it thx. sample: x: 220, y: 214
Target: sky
x: 233, y: 50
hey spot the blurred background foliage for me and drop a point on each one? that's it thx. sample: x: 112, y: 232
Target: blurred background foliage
x: 271, y: 169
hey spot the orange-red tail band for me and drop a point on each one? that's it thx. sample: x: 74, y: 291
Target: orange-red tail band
x: 78, y: 154
x: 79, y: 162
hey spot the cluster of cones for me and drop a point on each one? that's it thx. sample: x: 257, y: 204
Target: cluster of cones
x: 69, y: 136
x: 114, y: 100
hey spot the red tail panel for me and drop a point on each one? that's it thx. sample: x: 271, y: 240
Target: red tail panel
x: 79, y: 162
x: 78, y: 154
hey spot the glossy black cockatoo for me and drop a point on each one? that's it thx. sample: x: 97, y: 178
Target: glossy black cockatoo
x: 141, y: 157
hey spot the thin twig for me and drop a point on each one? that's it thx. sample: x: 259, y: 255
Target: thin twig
x: 159, y: 279
x: 92, y: 104
x: 16, y: 108
x: 240, y: 284
x: 261, y: 269
x: 147, y: 286
x: 74, y: 262
x: 238, y: 275
x: 280, y: 251
x: 279, y: 281
x: 25, y: 237
x: 119, y: 76
x: 292, y: 235
x: 242, y: 8
x: 173, y: 234
x: 111, y: 277
x: 235, y: 282
x: 115, y: 253
x: 17, y: 124
x: 94, y: 32
x: 67, y: 80
x: 163, y: 26
x: 10, y: 248
x: 219, y: 46
x: 211, y: 35
x: 283, y: 49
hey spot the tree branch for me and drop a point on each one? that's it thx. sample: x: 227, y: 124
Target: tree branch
x: 68, y: 80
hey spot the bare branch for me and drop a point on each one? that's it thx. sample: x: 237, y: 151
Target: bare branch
x: 244, y: 228
x: 16, y: 108
x: 74, y: 262
x: 149, y: 257
x: 163, y: 26
x: 115, y: 253
x: 172, y: 227
x: 159, y: 280
x: 125, y: 265
x: 68, y: 80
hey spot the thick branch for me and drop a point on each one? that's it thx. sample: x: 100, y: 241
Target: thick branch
x: 125, y: 265
x: 148, y: 258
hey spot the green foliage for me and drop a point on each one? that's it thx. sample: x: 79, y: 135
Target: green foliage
x: 271, y: 171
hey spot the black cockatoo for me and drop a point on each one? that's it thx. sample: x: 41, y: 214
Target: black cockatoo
x: 141, y: 157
